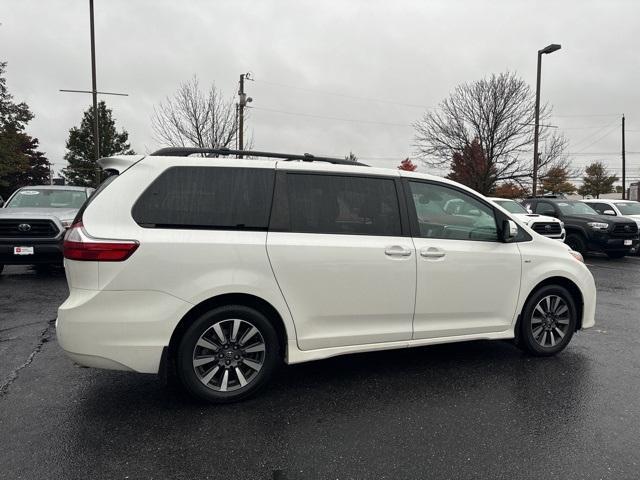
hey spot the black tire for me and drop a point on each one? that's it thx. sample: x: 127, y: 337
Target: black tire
x: 193, y: 377
x: 577, y: 242
x: 616, y: 254
x: 529, y: 335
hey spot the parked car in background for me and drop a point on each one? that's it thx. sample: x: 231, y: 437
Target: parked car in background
x: 547, y: 226
x: 218, y: 269
x: 587, y: 230
x: 33, y: 222
x: 617, y: 208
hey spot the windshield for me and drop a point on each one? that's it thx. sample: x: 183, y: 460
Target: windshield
x: 511, y: 206
x: 629, y: 208
x: 47, y: 198
x: 575, y: 208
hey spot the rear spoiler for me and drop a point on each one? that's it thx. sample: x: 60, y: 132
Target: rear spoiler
x: 119, y: 163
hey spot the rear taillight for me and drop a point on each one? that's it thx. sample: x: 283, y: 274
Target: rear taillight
x: 79, y: 245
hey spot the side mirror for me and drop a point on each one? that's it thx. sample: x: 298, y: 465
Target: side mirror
x: 609, y: 212
x: 509, y: 231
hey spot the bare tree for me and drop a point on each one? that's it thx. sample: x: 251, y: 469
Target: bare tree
x: 497, y: 111
x: 195, y: 118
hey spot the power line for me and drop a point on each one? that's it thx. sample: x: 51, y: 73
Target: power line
x: 354, y: 120
x: 590, y: 136
x: 333, y: 94
x: 607, y: 133
x: 587, y: 115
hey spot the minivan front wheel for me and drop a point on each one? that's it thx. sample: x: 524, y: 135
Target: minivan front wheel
x: 548, y: 321
x: 227, y: 354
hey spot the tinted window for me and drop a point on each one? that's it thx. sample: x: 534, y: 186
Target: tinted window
x: 600, y: 207
x: 445, y: 212
x: 341, y: 205
x: 207, y: 197
x: 544, y: 208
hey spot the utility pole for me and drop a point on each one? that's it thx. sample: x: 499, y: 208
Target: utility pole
x: 94, y: 92
x: 624, y: 190
x: 242, y: 103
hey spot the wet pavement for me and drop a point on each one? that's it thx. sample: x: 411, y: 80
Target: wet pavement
x: 471, y: 410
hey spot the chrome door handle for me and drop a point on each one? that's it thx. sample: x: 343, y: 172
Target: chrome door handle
x: 432, y: 253
x: 397, y: 251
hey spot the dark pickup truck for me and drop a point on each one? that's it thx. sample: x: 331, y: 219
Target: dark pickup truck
x: 33, y: 222
x: 587, y: 231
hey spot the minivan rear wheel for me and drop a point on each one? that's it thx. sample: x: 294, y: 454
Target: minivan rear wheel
x: 548, y: 321
x: 227, y: 354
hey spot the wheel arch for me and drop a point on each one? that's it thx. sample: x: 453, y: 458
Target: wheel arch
x: 574, y: 229
x: 565, y: 282
x: 244, y: 299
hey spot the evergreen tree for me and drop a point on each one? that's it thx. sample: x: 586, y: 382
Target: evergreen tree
x: 597, y: 181
x: 21, y: 163
x: 83, y: 169
x: 351, y: 157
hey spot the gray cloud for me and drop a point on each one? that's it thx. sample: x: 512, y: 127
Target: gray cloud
x: 411, y: 52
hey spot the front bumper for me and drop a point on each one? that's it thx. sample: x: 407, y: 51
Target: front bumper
x: 118, y: 330
x: 44, y: 251
x: 605, y: 243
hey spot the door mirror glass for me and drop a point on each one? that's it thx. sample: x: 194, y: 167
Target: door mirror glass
x: 509, y: 231
x: 609, y: 212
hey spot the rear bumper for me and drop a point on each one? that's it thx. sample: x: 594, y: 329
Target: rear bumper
x: 118, y: 330
x: 44, y: 251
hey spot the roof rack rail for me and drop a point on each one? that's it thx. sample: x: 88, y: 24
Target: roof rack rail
x: 215, y: 152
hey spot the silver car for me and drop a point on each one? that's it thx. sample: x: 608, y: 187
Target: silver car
x: 33, y: 221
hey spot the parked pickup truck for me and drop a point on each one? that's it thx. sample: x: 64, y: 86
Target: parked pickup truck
x: 587, y: 231
x: 33, y: 221
x: 546, y: 226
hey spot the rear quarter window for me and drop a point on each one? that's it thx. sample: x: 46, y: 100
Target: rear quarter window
x: 207, y: 198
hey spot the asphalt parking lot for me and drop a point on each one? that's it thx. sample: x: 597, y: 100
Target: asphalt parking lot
x: 473, y: 410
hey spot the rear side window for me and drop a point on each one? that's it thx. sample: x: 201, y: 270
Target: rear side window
x: 335, y: 204
x: 207, y: 198
x: 544, y: 208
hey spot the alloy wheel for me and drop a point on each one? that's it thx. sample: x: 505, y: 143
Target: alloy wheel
x: 229, y: 355
x: 550, y: 321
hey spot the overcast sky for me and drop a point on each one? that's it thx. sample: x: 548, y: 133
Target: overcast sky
x: 400, y: 56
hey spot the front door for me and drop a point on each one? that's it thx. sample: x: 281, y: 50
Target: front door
x: 468, y: 281
x: 339, y: 255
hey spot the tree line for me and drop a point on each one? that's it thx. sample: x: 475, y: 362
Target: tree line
x: 481, y: 134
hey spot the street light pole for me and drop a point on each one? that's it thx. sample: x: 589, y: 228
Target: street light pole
x: 548, y: 49
x: 94, y: 88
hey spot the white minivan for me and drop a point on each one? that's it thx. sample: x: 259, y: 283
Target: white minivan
x: 218, y: 269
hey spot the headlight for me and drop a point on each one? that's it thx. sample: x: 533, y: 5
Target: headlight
x: 577, y: 255
x: 66, y: 223
x: 598, y: 225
